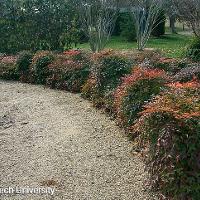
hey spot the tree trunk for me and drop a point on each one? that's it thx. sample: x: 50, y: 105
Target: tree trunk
x: 172, y: 20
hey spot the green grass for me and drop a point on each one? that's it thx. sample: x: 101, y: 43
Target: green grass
x: 172, y: 45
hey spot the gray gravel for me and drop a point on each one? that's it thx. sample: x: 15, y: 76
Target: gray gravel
x: 52, y: 138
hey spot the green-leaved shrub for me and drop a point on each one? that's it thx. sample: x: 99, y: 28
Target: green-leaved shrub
x: 159, y: 28
x: 23, y: 65
x: 105, y: 76
x: 40, y: 63
x: 24, y: 61
x: 127, y: 27
x: 193, y: 50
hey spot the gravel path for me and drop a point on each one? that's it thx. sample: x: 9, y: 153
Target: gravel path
x: 51, y: 138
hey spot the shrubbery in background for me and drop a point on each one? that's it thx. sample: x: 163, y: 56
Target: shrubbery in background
x: 127, y: 27
x: 159, y: 29
x: 193, y: 50
x: 169, y: 133
x: 22, y: 28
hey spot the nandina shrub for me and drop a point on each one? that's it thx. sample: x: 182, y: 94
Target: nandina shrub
x: 8, y: 68
x: 168, y: 133
x: 23, y: 65
x: 149, y: 55
x: 135, y: 90
x: 111, y: 70
x: 39, y: 65
x: 193, y: 50
x: 76, y: 55
x: 188, y: 73
x: 69, y: 73
x: 24, y: 61
x: 171, y: 65
x: 106, y: 73
x: 100, y: 99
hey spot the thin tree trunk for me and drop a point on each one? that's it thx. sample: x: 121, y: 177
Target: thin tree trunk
x: 172, y: 20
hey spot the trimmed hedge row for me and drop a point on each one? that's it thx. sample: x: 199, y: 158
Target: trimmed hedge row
x: 162, y: 114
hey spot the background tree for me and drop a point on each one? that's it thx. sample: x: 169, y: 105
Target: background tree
x: 37, y: 25
x: 98, y: 19
x: 171, y: 12
x: 189, y: 11
x: 127, y: 26
x: 146, y: 13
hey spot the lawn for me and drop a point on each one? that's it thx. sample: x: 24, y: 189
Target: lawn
x: 172, y: 45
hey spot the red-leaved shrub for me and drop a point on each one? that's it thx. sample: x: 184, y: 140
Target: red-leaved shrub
x: 168, y: 133
x: 135, y: 90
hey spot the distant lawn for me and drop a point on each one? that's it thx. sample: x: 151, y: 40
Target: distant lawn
x: 172, y: 45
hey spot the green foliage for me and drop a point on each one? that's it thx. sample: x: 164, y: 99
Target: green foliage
x: 72, y: 35
x: 40, y: 63
x: 75, y: 79
x: 111, y: 70
x: 52, y: 27
x: 127, y: 27
x: 69, y: 71
x: 71, y: 80
x: 193, y: 51
x: 10, y: 74
x: 24, y: 61
x: 106, y: 76
x: 137, y: 96
x: 159, y: 29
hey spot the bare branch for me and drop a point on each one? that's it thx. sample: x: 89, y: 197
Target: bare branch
x: 98, y: 20
x: 189, y: 11
x: 145, y: 13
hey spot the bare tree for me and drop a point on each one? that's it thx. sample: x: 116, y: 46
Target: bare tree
x: 145, y: 13
x: 189, y: 11
x: 98, y: 18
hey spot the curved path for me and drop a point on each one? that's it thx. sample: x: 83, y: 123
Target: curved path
x: 51, y: 138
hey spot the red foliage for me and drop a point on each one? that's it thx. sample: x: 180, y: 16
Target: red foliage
x: 191, y: 84
x: 167, y: 60
x: 138, y: 74
x: 103, y: 54
x: 64, y: 64
x: 72, y: 52
x: 8, y: 59
x: 181, y: 101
